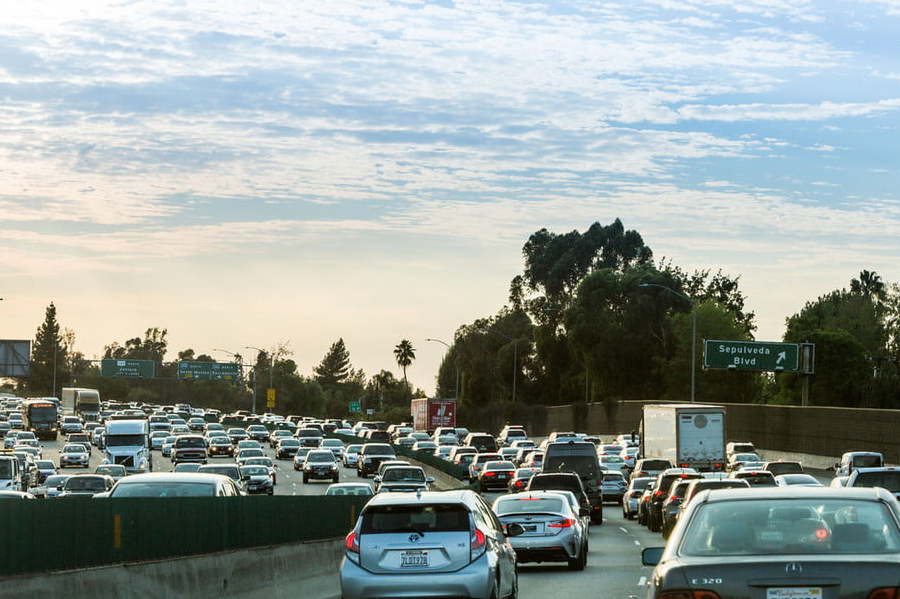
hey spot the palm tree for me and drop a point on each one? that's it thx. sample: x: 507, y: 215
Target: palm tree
x: 404, y: 353
x: 870, y: 284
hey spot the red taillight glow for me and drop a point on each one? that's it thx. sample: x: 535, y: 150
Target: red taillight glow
x: 564, y: 523
x: 477, y: 541
x: 351, y: 542
x: 821, y: 534
x: 673, y: 497
x: 885, y: 593
x: 688, y: 595
x: 658, y: 493
x: 489, y: 474
x: 685, y: 465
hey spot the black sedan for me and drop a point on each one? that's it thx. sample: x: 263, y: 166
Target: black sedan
x: 780, y: 543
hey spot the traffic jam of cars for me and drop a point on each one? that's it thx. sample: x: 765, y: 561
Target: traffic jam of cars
x: 730, y: 523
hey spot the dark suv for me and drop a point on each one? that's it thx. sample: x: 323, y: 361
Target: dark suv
x: 580, y: 458
x: 370, y: 457
x: 661, y: 493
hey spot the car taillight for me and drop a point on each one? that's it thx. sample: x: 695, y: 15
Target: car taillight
x: 564, y: 523
x: 685, y: 465
x: 658, y: 493
x: 351, y: 542
x: 673, y: 497
x: 490, y: 474
x: 885, y: 593
x: 477, y: 543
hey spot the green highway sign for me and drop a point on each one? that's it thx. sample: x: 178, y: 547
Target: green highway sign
x: 355, y: 408
x: 131, y: 369
x: 209, y: 371
x: 751, y: 355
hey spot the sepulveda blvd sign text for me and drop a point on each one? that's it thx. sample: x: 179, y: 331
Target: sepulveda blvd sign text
x: 751, y: 355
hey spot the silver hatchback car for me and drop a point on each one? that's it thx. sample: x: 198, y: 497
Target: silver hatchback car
x: 429, y: 544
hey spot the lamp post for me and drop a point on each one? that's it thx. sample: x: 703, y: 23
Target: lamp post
x: 455, y: 364
x: 271, y: 370
x: 515, y: 357
x: 693, y: 334
x: 240, y: 360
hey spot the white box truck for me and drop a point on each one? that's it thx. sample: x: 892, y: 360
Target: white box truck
x: 81, y: 402
x: 688, y: 435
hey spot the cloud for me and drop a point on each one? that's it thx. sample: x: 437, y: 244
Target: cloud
x: 786, y: 112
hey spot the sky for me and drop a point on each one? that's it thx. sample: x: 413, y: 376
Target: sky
x: 245, y: 174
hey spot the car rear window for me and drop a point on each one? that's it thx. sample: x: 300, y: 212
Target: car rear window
x: 565, y: 483
x: 886, y: 480
x: 867, y: 461
x: 387, y: 519
x: 378, y: 450
x: 655, y: 465
x: 791, y: 526
x: 528, y: 505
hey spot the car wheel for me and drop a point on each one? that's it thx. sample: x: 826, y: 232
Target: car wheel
x: 597, y: 518
x: 295, y: 468
x: 305, y: 479
x: 336, y: 479
x: 666, y: 531
x: 579, y: 562
x: 271, y: 492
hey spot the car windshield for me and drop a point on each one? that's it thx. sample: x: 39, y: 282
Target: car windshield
x: 46, y: 465
x: 73, y: 449
x: 615, y: 478
x: 309, y: 432
x: 528, y: 505
x: 230, y: 471
x: 889, y: 480
x: 415, y: 518
x: 252, y: 453
x: 163, y: 489
x: 791, y: 526
x: 194, y: 442
x: 331, y: 443
x: 403, y: 474
x: 867, y: 461
x: 111, y: 470
x: 53, y: 481
x: 124, y: 440
x: 289, y: 443
x: 318, y: 456
x: 255, y: 471
x: 85, y: 483
x: 372, y: 450
x: 257, y: 462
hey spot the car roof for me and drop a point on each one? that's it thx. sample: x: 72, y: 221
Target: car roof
x: 464, y: 497
x: 864, y: 493
x: 180, y: 477
x: 877, y: 469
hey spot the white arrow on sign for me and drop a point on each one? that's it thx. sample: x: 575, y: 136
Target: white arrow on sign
x: 782, y: 356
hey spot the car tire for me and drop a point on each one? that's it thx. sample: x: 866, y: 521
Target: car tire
x: 666, y: 532
x: 597, y: 518
x: 652, y: 524
x: 271, y: 492
x: 336, y: 479
x: 580, y: 562
x: 305, y: 479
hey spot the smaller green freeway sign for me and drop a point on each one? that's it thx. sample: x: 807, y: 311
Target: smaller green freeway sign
x: 208, y: 371
x: 131, y: 369
x: 751, y: 355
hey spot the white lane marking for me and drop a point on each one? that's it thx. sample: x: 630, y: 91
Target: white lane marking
x: 623, y: 529
x: 636, y: 542
x: 642, y: 581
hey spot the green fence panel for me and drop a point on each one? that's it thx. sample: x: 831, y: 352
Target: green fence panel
x: 63, y: 534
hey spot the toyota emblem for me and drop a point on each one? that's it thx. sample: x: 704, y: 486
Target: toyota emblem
x: 793, y: 568
x: 414, y: 538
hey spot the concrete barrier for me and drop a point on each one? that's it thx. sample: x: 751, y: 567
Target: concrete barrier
x: 442, y: 480
x: 308, y: 570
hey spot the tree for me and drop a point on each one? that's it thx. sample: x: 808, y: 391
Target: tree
x: 404, y: 353
x: 869, y: 284
x: 335, y: 366
x: 49, y: 357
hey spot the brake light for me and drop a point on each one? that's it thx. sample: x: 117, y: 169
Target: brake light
x: 351, y: 542
x: 821, y: 534
x: 885, y: 593
x: 490, y: 474
x: 477, y: 543
x: 685, y: 465
x: 658, y: 493
x: 688, y: 595
x: 564, y: 523
x: 673, y: 497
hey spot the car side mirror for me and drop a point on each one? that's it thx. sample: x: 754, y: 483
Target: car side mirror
x: 59, y: 488
x: 584, y: 512
x: 245, y: 478
x: 377, y: 479
x: 651, y: 556
x: 514, y: 529
x: 429, y: 479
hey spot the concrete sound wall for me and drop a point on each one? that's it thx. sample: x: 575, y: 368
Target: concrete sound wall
x: 820, y: 431
x: 308, y: 570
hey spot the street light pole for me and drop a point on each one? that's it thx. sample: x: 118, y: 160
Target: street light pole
x: 455, y: 364
x: 240, y: 360
x: 515, y: 358
x: 693, y: 334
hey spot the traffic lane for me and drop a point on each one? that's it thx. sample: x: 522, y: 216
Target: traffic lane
x: 289, y: 481
x: 613, y: 568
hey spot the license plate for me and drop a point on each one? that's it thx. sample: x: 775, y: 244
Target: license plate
x: 794, y: 593
x: 414, y: 559
x: 530, y: 528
